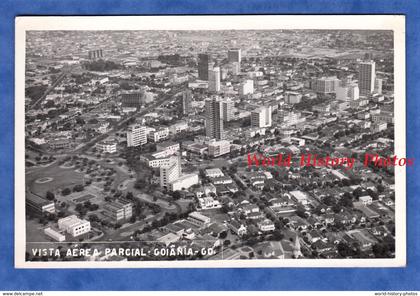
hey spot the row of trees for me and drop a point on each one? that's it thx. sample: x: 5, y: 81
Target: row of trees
x: 76, y: 188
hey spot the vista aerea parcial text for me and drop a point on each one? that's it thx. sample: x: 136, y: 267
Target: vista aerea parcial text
x: 315, y: 160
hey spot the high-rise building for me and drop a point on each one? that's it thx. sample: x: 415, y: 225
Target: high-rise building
x: 235, y: 68
x: 136, y: 135
x: 204, y: 65
x: 378, y: 86
x: 367, y: 77
x: 234, y: 56
x: 214, y: 79
x: 214, y: 118
x: 186, y: 102
x: 228, y: 105
x: 261, y: 117
x: 325, y: 85
x: 133, y: 99
x: 347, y: 92
x: 247, y: 87
x: 95, y: 54
x: 170, y: 172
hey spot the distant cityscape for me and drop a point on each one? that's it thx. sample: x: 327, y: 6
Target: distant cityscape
x: 138, y: 145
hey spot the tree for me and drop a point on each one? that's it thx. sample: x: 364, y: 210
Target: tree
x: 300, y: 211
x: 176, y: 195
x: 78, y: 188
x: 93, y: 218
x: 380, y: 250
x: 278, y: 235
x: 226, y: 243
x: 223, y: 234
x: 66, y: 191
x: 49, y: 195
x: 345, y: 250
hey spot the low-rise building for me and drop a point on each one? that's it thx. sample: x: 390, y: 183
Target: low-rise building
x: 168, y: 147
x: 266, y: 225
x: 119, y: 210
x: 107, y: 146
x: 209, y: 202
x: 158, y: 135
x: 183, y: 182
x: 366, y: 199
x: 292, y: 97
x: 73, y: 225
x: 238, y: 228
x: 38, y: 205
x: 55, y: 235
x: 299, y: 196
x: 377, y: 127
x: 213, y: 173
x: 199, y: 219
x: 218, y: 148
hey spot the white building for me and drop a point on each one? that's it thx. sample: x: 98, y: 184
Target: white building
x: 235, y: 68
x: 209, y: 202
x: 153, y: 162
x: 228, y: 107
x: 378, y: 86
x: 170, y: 172
x: 214, y: 173
x: 158, y: 135
x: 366, y: 199
x: 168, y: 147
x: 178, y: 127
x: 218, y: 148
x: 325, y: 85
x: 266, y: 225
x: 347, y: 92
x: 55, y: 235
x: 183, y: 182
x: 214, y: 79
x: 136, y: 135
x: 300, y: 197
x: 107, y: 146
x: 292, y: 97
x: 246, y: 87
x: 74, y: 225
x: 261, y: 117
x: 198, y: 219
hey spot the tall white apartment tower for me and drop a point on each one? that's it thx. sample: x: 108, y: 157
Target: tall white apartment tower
x: 228, y: 106
x: 261, y: 117
x: 214, y: 79
x: 170, y: 172
x: 136, y: 135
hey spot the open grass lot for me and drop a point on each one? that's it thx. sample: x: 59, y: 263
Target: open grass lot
x: 61, y: 178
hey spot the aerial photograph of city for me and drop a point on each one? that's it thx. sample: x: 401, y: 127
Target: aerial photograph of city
x: 206, y: 145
